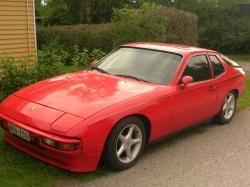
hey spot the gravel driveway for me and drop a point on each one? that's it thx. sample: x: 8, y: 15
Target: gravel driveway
x: 210, y: 155
x: 245, y: 66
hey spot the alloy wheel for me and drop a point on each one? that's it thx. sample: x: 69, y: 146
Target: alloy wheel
x: 229, y: 106
x: 128, y: 144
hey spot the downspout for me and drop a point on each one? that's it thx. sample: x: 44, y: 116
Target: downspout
x: 28, y: 26
x: 34, y: 15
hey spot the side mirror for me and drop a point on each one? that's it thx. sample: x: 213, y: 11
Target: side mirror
x: 93, y: 63
x: 186, y: 80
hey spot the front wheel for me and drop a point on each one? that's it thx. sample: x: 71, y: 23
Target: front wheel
x: 125, y: 144
x: 228, y: 109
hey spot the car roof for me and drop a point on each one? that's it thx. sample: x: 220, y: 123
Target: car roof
x: 174, y: 48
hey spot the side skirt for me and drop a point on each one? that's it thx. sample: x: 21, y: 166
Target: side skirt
x: 168, y: 136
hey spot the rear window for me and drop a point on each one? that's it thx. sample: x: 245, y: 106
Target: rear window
x: 229, y: 61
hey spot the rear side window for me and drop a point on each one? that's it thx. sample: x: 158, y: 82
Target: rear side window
x: 229, y: 61
x: 217, y: 66
x: 198, y: 67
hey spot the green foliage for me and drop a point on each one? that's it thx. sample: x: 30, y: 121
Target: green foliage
x: 222, y: 24
x: 15, y: 74
x: 240, y: 57
x: 84, y: 57
x: 61, y: 12
x: 53, y: 54
x: 143, y: 24
x: 80, y: 57
x: 96, y: 54
x: 84, y: 36
x: 150, y: 22
x: 56, y: 15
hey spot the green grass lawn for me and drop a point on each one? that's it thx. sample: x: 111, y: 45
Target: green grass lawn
x: 19, y: 169
x: 244, y: 101
x: 243, y: 57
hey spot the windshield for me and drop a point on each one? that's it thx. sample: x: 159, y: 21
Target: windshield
x: 141, y: 64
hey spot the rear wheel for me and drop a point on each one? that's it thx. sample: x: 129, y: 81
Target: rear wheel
x: 228, y: 109
x: 125, y: 144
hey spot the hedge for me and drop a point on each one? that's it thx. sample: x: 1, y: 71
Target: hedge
x: 148, y: 23
x: 84, y: 36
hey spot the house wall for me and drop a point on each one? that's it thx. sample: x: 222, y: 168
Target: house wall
x: 17, y: 28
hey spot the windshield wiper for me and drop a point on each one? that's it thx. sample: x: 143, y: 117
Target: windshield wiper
x: 131, y: 77
x: 99, y: 69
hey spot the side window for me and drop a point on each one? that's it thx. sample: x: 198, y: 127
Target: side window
x: 229, y: 61
x: 198, y: 67
x: 217, y: 66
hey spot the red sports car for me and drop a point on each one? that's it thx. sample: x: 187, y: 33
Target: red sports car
x: 138, y: 93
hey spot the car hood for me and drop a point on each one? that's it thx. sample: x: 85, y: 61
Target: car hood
x: 83, y: 93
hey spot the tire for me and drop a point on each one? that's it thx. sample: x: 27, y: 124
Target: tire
x: 227, y: 110
x: 116, y: 153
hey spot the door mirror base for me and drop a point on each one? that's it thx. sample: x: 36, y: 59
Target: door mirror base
x: 185, y: 81
x: 93, y: 63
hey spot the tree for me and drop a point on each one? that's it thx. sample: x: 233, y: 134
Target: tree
x: 81, y: 11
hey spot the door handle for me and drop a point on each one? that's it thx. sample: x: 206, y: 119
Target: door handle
x: 212, y: 88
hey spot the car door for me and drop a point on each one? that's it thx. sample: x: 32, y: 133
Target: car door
x: 195, y: 102
x: 220, y: 81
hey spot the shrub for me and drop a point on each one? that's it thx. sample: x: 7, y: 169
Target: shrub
x: 227, y: 36
x: 80, y: 57
x: 135, y: 25
x: 182, y: 26
x: 155, y: 23
x: 84, y: 57
x: 53, y: 54
x: 96, y: 54
x: 84, y: 36
x: 15, y: 74
x: 148, y: 23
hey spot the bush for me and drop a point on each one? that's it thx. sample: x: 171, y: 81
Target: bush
x: 84, y: 57
x: 182, y: 26
x: 56, y: 54
x: 80, y: 57
x: 16, y: 74
x: 227, y: 35
x: 84, y: 36
x: 154, y: 23
x: 136, y: 25
x: 148, y: 23
x: 53, y: 54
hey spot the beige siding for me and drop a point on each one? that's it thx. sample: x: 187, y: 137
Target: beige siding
x: 17, y: 29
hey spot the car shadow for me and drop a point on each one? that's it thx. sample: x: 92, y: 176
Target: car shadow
x: 179, y: 137
x: 169, y: 141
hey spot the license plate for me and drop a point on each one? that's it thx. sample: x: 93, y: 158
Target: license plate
x: 19, y: 132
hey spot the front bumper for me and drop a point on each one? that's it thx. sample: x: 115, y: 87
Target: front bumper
x: 73, y: 161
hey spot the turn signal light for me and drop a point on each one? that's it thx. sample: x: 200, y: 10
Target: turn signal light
x: 60, y: 145
x: 67, y: 147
